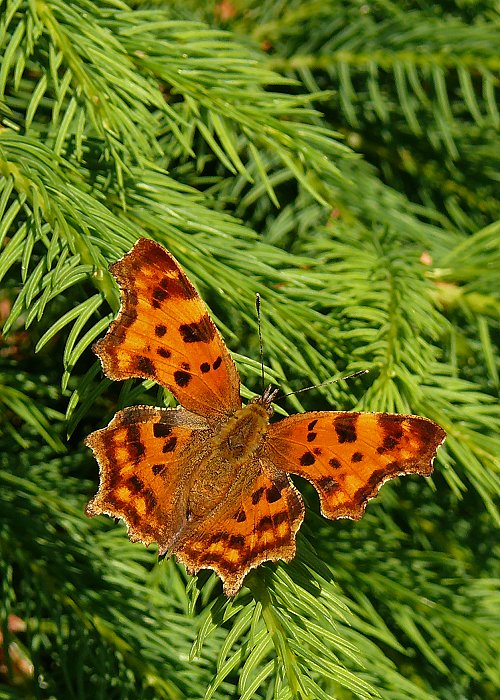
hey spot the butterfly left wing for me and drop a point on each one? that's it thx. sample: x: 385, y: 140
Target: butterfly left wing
x: 145, y: 458
x: 347, y: 456
x: 164, y: 332
x: 256, y: 522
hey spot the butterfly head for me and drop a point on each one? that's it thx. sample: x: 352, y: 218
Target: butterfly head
x: 267, y: 399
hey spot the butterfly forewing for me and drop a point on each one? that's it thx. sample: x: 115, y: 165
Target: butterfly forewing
x: 348, y: 456
x: 163, y: 332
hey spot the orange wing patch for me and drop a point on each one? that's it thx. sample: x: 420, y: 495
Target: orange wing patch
x: 253, y: 525
x: 348, y: 456
x: 163, y: 332
x: 145, y: 457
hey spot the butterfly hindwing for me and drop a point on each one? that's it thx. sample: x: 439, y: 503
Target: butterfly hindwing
x: 164, y: 332
x: 257, y: 522
x: 145, y: 457
x: 347, y: 456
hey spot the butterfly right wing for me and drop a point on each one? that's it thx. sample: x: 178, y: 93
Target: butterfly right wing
x: 146, y: 456
x: 347, y: 456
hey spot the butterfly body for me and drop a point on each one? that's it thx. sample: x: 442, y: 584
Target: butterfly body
x: 227, y: 451
x: 209, y: 481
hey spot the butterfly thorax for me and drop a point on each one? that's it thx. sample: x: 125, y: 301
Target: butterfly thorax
x: 241, y: 435
x: 231, y: 447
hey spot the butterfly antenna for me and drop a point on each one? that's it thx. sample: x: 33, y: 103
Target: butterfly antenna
x: 330, y: 381
x: 261, y: 344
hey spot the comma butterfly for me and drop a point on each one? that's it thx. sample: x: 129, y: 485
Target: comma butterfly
x: 208, y: 481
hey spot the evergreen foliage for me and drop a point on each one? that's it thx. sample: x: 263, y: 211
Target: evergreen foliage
x: 341, y: 160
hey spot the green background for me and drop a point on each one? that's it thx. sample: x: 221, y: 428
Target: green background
x: 339, y: 158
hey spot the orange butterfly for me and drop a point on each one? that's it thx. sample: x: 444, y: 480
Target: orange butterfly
x: 209, y: 481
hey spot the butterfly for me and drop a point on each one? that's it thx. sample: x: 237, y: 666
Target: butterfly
x: 209, y: 480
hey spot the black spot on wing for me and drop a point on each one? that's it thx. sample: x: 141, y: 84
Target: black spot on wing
x: 205, y: 367
x: 236, y: 541
x: 135, y: 484
x: 307, y: 459
x: 201, y: 331
x: 273, y: 494
x: 160, y: 330
x: 163, y: 352
x: 257, y: 495
x: 345, y: 427
x: 182, y: 378
x: 135, y: 448
x: 159, y: 296
x: 170, y: 444
x: 390, y: 442
x: 270, y: 522
x: 217, y: 363
x: 144, y: 365
x: 161, y: 430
